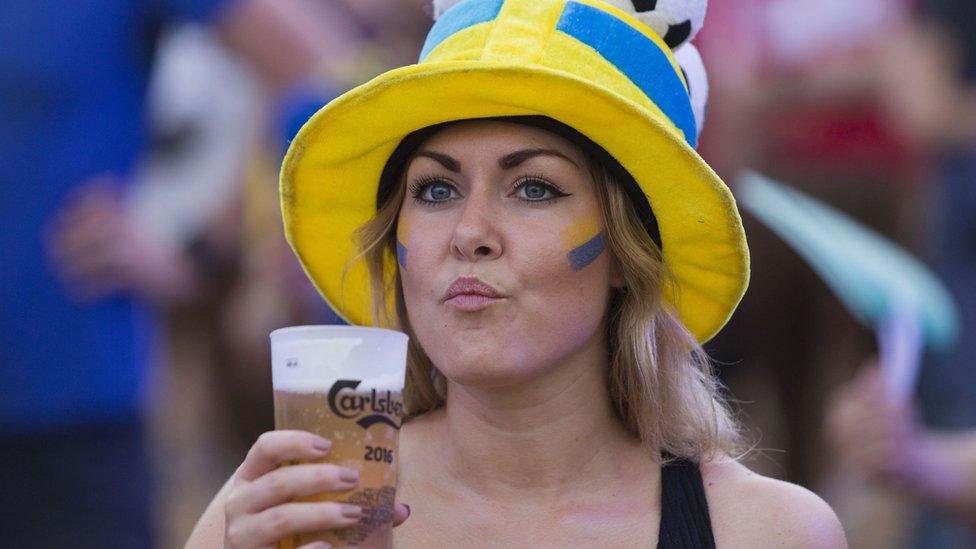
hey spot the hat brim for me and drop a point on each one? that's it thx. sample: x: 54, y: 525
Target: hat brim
x: 331, y: 174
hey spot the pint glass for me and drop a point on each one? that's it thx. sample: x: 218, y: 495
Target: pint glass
x: 345, y: 383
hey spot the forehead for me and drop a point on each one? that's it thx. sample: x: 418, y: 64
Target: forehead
x: 498, y: 137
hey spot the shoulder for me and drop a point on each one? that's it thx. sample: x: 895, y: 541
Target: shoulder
x: 750, y: 510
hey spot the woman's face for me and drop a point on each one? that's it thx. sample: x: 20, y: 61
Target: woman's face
x: 502, y: 258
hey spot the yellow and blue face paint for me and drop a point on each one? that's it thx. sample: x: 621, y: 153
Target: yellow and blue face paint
x: 584, y: 241
x: 403, y: 235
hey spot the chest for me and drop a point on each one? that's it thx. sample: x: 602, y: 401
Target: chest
x: 435, y: 521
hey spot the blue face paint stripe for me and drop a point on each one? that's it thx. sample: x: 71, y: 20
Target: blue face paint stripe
x: 465, y: 14
x: 635, y: 55
x: 401, y: 252
x: 587, y: 253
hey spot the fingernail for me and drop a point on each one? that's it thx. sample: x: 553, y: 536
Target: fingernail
x: 408, y: 510
x: 352, y: 511
x: 349, y: 475
x: 322, y: 445
x: 320, y: 545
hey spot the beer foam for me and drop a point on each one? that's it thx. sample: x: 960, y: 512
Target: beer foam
x: 388, y: 382
x: 305, y: 386
x: 385, y: 382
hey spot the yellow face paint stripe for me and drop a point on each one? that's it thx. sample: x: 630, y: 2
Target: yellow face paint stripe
x: 583, y: 241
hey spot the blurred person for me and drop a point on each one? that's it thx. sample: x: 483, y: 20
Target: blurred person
x: 941, y: 108
x: 185, y: 193
x: 937, y: 104
x: 197, y: 135
x: 804, y: 80
x: 80, y: 275
x: 883, y: 440
x: 272, y: 290
x: 219, y: 343
x: 571, y: 404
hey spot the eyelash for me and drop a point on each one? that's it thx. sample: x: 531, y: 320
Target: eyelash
x: 418, y: 187
x: 539, y: 179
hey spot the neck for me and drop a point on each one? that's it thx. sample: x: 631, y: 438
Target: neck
x: 544, y: 437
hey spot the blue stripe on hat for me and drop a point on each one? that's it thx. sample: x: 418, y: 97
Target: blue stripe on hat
x: 465, y: 14
x: 635, y: 55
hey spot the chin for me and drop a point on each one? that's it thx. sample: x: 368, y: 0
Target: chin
x: 485, y: 376
x: 474, y: 368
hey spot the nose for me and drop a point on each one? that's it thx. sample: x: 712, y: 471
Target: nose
x: 475, y: 236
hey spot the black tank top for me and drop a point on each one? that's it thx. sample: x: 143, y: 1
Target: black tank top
x: 685, y: 523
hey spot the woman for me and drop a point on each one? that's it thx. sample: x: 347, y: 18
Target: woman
x: 556, y: 385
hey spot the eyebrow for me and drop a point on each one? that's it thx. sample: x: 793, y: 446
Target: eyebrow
x: 512, y: 160
x: 506, y: 162
x: 448, y: 162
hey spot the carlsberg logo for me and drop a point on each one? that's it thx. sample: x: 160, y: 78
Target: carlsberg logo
x: 374, y: 406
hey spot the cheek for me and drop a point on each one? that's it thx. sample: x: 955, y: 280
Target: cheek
x: 567, y: 272
x: 564, y: 288
x: 561, y: 280
x: 421, y: 254
x: 583, y: 242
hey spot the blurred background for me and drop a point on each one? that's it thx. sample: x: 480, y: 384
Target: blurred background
x: 144, y: 263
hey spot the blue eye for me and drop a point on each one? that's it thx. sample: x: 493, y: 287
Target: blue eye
x: 534, y: 191
x: 433, y: 191
x: 438, y: 192
x: 537, y: 190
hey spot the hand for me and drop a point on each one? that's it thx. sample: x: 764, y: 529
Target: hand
x: 98, y: 250
x: 261, y: 508
x: 872, y: 432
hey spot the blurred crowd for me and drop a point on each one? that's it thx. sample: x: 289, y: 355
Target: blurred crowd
x: 144, y: 263
x: 867, y: 106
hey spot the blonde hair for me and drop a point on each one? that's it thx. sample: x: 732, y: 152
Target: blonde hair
x: 660, y: 381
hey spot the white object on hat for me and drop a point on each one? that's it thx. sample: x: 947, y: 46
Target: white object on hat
x: 690, y: 61
x: 675, y: 21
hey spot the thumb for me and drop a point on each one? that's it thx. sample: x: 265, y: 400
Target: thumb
x: 401, y: 513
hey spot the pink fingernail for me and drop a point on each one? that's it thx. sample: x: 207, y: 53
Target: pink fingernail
x: 349, y: 475
x: 352, y: 511
x: 322, y: 445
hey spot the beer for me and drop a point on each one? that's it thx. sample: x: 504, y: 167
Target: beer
x: 348, y: 390
x: 362, y: 425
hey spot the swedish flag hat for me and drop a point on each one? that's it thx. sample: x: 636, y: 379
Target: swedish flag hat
x: 584, y: 63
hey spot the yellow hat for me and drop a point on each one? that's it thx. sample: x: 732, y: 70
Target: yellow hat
x: 583, y: 63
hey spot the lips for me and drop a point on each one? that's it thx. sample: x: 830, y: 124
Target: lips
x: 471, y: 294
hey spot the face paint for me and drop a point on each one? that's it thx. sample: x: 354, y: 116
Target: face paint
x: 524, y: 337
x: 401, y: 252
x: 587, y: 253
x: 403, y: 235
x: 584, y: 241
